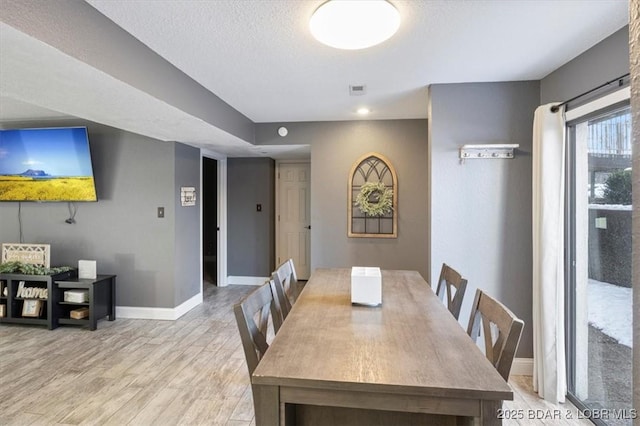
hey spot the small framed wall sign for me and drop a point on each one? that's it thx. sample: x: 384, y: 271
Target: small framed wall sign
x: 32, y: 308
x: 35, y: 254
x: 188, y: 196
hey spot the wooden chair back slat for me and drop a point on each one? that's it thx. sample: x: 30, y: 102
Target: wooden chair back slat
x: 294, y: 276
x: 451, y: 287
x: 283, y: 301
x: 277, y: 315
x: 489, y: 313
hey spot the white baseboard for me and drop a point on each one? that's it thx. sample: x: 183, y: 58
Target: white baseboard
x: 188, y: 305
x: 169, y: 314
x: 522, y: 367
x: 236, y: 280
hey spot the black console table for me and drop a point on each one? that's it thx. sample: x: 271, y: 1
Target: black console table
x: 53, y: 309
x: 101, y: 303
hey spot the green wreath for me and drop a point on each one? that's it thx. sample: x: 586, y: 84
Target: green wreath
x: 375, y: 199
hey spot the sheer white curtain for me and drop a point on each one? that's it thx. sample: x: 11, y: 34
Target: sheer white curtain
x: 549, y: 370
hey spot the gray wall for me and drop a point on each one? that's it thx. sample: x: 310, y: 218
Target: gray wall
x: 335, y: 146
x: 251, y: 234
x: 481, y: 210
x: 188, y: 274
x: 605, y: 61
x: 634, y: 37
x: 134, y: 175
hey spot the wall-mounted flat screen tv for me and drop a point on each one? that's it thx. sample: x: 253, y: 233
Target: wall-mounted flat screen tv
x: 46, y: 165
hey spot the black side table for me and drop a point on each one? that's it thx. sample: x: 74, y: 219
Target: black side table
x: 102, y: 301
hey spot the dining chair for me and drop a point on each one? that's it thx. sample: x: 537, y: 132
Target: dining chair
x: 285, y: 281
x: 252, y: 317
x: 501, y: 329
x: 451, y: 286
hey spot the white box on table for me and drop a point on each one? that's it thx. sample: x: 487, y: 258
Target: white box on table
x: 87, y: 269
x: 76, y: 296
x: 366, y: 286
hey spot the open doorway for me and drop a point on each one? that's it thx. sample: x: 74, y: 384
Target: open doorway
x: 210, y: 220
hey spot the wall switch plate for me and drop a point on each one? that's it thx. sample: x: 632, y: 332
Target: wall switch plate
x: 161, y: 212
x: 259, y: 207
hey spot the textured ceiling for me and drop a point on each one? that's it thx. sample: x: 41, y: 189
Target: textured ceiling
x: 259, y: 57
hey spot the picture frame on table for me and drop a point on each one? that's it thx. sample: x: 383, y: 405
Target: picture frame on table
x: 32, y: 308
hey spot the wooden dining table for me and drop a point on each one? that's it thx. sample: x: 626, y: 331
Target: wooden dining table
x: 407, y: 361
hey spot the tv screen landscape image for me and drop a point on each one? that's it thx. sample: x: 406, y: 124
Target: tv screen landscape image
x: 46, y: 165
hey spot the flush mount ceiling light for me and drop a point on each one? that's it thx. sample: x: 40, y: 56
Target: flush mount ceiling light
x: 363, y: 111
x: 354, y: 24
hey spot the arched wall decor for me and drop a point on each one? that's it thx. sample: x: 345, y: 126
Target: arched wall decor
x: 372, y: 169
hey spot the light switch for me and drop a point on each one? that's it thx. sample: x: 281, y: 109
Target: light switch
x: 161, y: 212
x: 259, y: 207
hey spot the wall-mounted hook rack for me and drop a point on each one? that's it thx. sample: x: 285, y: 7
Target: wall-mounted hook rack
x: 484, y: 151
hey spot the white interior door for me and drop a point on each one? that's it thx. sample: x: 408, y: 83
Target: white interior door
x: 293, y: 218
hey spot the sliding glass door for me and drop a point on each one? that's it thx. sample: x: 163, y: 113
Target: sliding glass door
x: 599, y: 294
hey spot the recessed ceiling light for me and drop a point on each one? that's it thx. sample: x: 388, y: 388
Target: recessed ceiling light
x: 363, y: 111
x: 354, y: 24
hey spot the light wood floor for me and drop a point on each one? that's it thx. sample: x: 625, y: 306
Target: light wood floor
x: 145, y: 372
